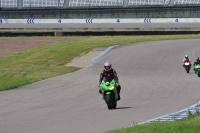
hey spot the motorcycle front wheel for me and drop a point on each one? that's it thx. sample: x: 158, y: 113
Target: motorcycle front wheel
x: 109, y: 100
x: 114, y: 105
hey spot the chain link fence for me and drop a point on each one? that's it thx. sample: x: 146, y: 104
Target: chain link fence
x: 80, y: 13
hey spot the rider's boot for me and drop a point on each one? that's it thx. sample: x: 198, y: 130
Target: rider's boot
x: 118, y: 91
x: 119, y: 97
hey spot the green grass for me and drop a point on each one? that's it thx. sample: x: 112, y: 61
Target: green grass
x: 190, y: 124
x: 49, y: 61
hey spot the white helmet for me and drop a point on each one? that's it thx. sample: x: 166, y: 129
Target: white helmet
x: 186, y: 56
x: 107, y: 66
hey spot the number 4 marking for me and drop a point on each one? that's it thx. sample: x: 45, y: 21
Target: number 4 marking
x: 176, y: 20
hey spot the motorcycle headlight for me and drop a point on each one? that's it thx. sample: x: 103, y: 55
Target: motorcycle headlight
x: 111, y: 88
x: 107, y: 83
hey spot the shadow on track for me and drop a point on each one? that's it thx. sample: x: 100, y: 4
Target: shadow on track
x: 191, y: 72
x: 123, y: 107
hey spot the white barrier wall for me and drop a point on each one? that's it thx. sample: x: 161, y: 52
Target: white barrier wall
x: 90, y: 20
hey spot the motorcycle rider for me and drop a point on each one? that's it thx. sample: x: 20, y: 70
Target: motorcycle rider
x: 109, y: 71
x: 185, y: 59
x: 197, y: 61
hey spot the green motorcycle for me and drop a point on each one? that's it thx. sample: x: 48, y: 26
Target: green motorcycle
x: 197, y: 69
x: 109, y: 91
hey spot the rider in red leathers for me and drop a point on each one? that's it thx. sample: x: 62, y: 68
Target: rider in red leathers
x: 186, y: 59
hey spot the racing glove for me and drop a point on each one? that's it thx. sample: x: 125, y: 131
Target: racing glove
x: 100, y: 91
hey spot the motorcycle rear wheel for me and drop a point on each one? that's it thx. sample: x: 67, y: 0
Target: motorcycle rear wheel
x: 187, y: 69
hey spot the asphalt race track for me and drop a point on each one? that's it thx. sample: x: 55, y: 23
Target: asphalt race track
x: 153, y: 84
x: 102, y: 26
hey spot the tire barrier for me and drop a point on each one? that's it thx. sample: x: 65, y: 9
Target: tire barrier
x: 96, y: 33
x: 14, y: 34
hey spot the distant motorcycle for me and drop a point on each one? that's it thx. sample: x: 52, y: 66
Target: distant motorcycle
x: 109, y: 92
x: 197, y: 69
x: 187, y: 66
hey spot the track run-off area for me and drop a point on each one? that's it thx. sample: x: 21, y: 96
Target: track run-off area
x: 153, y: 82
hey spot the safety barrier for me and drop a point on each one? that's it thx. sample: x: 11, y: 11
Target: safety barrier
x: 91, y: 33
x: 91, y: 20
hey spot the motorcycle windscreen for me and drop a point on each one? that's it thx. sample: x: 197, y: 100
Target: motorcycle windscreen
x: 107, y: 79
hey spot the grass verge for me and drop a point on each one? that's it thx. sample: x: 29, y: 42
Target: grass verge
x: 198, y: 105
x: 49, y: 61
x: 187, y: 125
